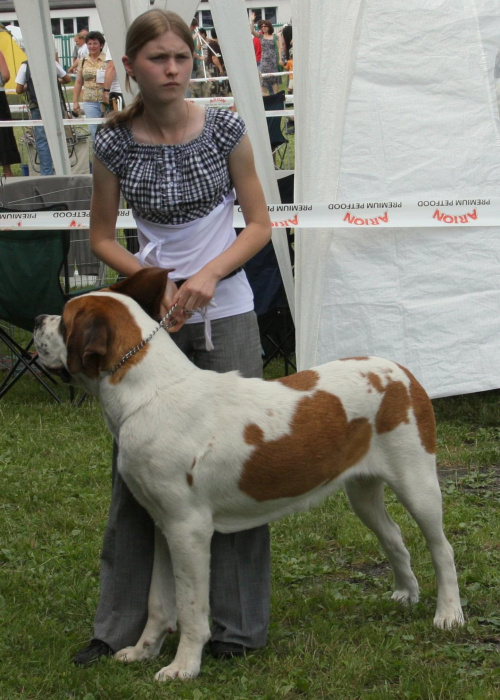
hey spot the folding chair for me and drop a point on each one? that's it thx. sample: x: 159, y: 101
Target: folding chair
x: 30, y: 265
x: 34, y: 270
x: 279, y: 143
x: 277, y: 331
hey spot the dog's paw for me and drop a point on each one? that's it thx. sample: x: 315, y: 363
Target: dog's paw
x: 131, y: 654
x: 406, y: 596
x: 446, y: 620
x: 184, y: 672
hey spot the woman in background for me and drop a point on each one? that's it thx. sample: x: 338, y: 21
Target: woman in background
x: 90, y: 78
x: 270, y: 61
x: 9, y: 153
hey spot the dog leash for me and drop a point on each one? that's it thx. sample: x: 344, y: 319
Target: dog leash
x: 144, y: 342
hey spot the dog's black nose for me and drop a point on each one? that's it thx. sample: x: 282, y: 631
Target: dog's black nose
x: 39, y: 320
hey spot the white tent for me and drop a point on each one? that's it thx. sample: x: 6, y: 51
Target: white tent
x: 420, y: 118
x: 391, y: 99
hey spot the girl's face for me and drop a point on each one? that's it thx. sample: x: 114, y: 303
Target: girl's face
x: 162, y: 68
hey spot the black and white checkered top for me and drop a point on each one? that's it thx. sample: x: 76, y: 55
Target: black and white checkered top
x: 173, y: 184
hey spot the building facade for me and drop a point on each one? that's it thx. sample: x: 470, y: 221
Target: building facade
x: 71, y: 16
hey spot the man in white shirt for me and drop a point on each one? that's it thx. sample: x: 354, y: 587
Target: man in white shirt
x: 112, y: 93
x: 24, y: 84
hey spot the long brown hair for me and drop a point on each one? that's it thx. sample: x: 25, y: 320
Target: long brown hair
x: 146, y: 27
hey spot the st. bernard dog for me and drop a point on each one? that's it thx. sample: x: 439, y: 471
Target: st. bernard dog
x: 251, y: 451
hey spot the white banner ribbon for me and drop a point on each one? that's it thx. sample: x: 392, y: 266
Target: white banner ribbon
x: 408, y: 213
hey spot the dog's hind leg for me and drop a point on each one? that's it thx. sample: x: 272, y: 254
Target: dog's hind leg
x: 366, y: 496
x: 419, y: 492
x: 162, y: 614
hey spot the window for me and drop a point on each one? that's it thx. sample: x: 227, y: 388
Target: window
x: 271, y: 14
x: 206, y: 19
x: 82, y: 23
x: 68, y: 25
x: 56, y: 26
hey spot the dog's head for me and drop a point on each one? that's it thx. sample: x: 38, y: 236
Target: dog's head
x: 96, y: 330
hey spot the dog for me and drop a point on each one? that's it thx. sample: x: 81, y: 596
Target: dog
x: 251, y: 451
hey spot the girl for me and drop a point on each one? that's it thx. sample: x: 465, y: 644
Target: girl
x: 179, y: 167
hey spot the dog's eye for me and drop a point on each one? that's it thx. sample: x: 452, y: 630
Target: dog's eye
x: 62, y: 329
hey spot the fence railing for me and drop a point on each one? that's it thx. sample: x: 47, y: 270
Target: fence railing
x: 64, y: 45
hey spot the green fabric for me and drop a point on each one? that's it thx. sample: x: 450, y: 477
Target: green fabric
x: 30, y: 265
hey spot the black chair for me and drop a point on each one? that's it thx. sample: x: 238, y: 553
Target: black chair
x: 277, y: 330
x: 279, y: 143
x: 35, y: 271
x: 30, y: 267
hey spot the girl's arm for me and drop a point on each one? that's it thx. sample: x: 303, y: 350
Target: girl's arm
x: 199, y: 289
x: 103, y: 214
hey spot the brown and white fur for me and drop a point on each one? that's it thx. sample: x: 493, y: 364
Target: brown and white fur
x: 204, y: 451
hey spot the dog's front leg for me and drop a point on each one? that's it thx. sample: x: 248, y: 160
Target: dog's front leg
x: 162, y: 612
x: 189, y: 544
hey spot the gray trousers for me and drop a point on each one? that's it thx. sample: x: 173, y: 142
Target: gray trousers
x: 240, y: 576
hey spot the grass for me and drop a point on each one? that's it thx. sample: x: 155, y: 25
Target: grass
x: 335, y: 633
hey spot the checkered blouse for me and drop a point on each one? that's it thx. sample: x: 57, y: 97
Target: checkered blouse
x: 173, y: 184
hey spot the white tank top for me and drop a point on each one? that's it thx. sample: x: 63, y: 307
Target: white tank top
x: 186, y: 248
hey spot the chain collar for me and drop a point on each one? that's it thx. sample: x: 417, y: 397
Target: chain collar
x: 144, y: 342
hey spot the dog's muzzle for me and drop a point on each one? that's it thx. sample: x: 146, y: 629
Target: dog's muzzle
x: 43, y: 346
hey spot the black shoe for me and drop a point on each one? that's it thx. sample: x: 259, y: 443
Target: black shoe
x: 95, y: 650
x: 226, y: 650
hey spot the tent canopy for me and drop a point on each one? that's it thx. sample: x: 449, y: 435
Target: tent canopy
x: 14, y: 54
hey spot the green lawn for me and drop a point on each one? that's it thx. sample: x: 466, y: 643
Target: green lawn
x: 335, y: 632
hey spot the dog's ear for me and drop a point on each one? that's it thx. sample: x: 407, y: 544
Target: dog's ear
x: 87, y: 344
x: 147, y: 287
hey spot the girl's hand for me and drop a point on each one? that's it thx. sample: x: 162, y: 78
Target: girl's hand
x: 167, y: 302
x: 196, y: 293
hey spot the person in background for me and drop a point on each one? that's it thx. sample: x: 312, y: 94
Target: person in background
x: 80, y: 51
x: 270, y: 59
x: 196, y: 89
x: 286, y: 36
x: 112, y: 95
x: 257, y: 47
x: 9, y: 152
x: 215, y: 65
x: 204, y: 42
x: 180, y: 167
x: 205, y: 87
x: 24, y: 84
x: 290, y: 127
x: 90, y: 78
